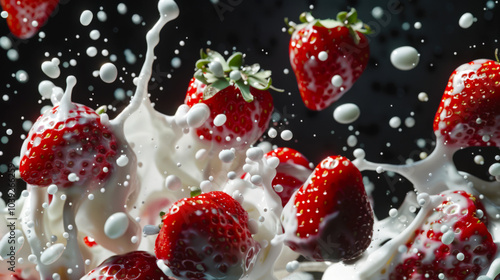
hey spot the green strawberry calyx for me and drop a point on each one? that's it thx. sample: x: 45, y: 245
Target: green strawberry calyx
x: 217, y: 73
x: 349, y: 20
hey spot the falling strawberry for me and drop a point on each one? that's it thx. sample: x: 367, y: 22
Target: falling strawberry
x: 66, y: 145
x: 469, y: 113
x: 137, y: 265
x: 291, y: 173
x: 239, y: 93
x: 207, y: 237
x: 453, y: 243
x: 330, y: 218
x: 328, y: 56
x: 26, y: 17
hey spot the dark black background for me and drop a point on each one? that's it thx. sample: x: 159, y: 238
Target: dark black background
x: 255, y: 27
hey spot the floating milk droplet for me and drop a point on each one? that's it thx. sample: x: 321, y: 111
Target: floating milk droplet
x: 168, y: 8
x: 52, y: 254
x: 255, y: 153
x: 45, y: 89
x: 460, y: 256
x: 337, y: 81
x: 72, y: 177
x: 13, y: 55
x: 108, y: 72
x: 116, y: 225
x: 377, y: 12
x: 121, y: 8
x: 22, y: 76
x: 286, y: 135
x: 423, y: 97
x: 346, y: 113
x: 51, y: 68
x: 494, y: 169
x: 479, y: 159
x: 102, y: 16
x: 393, y: 212
x: 448, y: 237
x: 272, y: 133
x: 410, y: 122
x: 176, y: 62
x: 86, y: 17
x: 323, y: 56
x: 94, y: 34
x: 405, y: 58
x: 173, y: 183
x: 352, y: 140
x: 466, y: 20
x: 226, y: 156
x: 417, y: 25
x: 5, y: 43
x: 52, y: 189
x: 122, y: 161
x: 197, y: 115
x: 292, y: 266
x: 91, y: 51
x: 395, y: 122
x: 220, y: 119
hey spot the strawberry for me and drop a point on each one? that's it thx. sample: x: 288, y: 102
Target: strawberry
x: 291, y: 172
x: 68, y: 144
x: 469, y: 113
x: 330, y: 218
x: 239, y: 93
x: 26, y: 17
x: 464, y: 249
x: 327, y: 57
x: 207, y: 237
x: 137, y: 265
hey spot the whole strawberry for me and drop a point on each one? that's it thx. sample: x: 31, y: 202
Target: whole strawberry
x: 68, y: 144
x: 469, y: 113
x: 135, y: 265
x: 453, y: 243
x: 327, y: 57
x: 291, y: 172
x: 238, y: 93
x: 330, y: 218
x: 207, y: 237
x: 26, y: 17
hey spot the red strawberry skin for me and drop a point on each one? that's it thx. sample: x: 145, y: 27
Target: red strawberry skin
x: 428, y: 255
x: 469, y: 113
x: 291, y: 172
x: 245, y: 120
x: 314, y: 77
x: 59, y: 146
x: 23, y: 14
x: 207, y: 237
x: 137, y: 265
x: 330, y: 218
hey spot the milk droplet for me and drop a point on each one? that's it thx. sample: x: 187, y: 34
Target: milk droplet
x: 346, y: 113
x: 460, y: 256
x: 122, y: 161
x: 168, y: 8
x: 51, y: 68
x: 494, y: 169
x: 226, y: 156
x: 423, y: 97
x: 72, y: 177
x: 22, y: 76
x: 395, y: 122
x: 121, y: 8
x: 52, y: 189
x: 393, y: 212
x: 272, y: 133
x: 337, y: 81
x: 479, y: 160
x: 352, y: 140
x: 108, y: 72
x: 220, y: 119
x: 94, y: 34
x: 173, y: 183
x: 45, y: 89
x: 292, y: 266
x: 286, y: 135
x: 5, y: 43
x: 200, y: 154
x: 410, y: 122
x: 466, y: 20
x: 448, y: 237
x: 116, y: 225
x: 176, y: 62
x: 255, y: 153
x: 91, y: 51
x: 405, y: 58
x: 86, y: 17
x: 197, y: 115
x: 323, y: 56
x: 52, y: 254
x: 377, y: 12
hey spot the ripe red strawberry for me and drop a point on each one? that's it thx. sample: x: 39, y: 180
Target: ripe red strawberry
x: 207, y: 237
x: 461, y: 252
x: 26, y: 17
x: 291, y: 172
x: 330, y: 218
x: 240, y: 93
x: 68, y: 144
x: 137, y: 265
x: 323, y: 49
x: 469, y: 113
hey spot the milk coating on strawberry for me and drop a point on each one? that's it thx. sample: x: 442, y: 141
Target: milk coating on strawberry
x: 330, y: 218
x: 327, y: 57
x: 25, y: 18
x: 452, y: 243
x: 207, y: 237
x: 469, y: 113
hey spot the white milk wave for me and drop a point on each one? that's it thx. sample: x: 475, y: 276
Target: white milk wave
x: 161, y: 159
